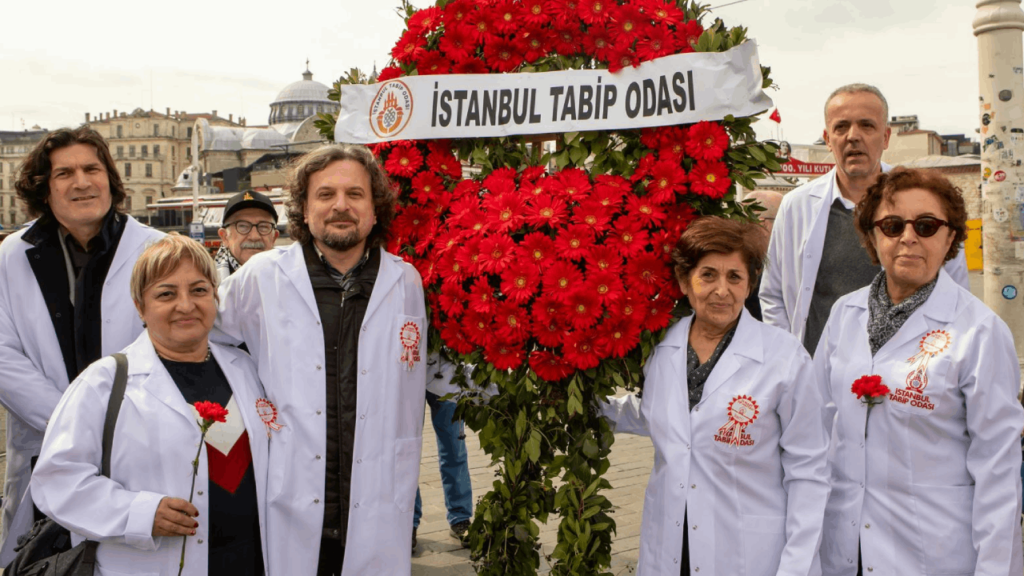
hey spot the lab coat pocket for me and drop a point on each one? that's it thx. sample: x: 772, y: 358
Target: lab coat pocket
x: 909, y: 396
x: 407, y: 471
x: 944, y: 522
x: 764, y: 537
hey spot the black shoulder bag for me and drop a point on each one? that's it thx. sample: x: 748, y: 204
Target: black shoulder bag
x: 46, y: 549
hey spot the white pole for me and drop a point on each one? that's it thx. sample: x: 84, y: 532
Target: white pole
x: 998, y: 25
x: 195, y: 174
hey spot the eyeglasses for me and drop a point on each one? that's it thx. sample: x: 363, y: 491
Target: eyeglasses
x: 925, y: 226
x: 243, y: 227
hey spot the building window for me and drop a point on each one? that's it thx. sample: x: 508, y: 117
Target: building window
x: 145, y: 150
x: 172, y: 151
x: 149, y: 200
x: 128, y: 169
x: 120, y: 131
x: 1, y: 201
x: 120, y: 151
x: 156, y: 129
x: 12, y: 167
x: 149, y: 170
x: 128, y: 203
x: 189, y: 135
x: 172, y: 131
x: 131, y: 151
x: 156, y: 150
x: 12, y: 217
x: 1, y: 167
x: 1, y: 188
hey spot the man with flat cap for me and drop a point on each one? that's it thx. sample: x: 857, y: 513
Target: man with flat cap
x: 249, y: 227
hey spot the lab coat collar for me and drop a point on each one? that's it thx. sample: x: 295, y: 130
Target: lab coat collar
x: 293, y: 264
x: 389, y: 274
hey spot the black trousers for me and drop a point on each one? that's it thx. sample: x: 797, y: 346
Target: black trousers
x: 332, y: 556
x: 685, y: 564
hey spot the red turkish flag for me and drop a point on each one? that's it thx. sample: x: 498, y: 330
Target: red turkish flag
x: 776, y: 116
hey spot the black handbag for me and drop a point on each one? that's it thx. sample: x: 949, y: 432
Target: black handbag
x: 46, y: 549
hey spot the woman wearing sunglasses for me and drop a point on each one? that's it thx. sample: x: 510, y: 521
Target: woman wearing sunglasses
x: 925, y: 476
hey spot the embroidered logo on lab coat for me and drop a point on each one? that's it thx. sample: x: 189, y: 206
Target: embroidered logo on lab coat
x: 931, y: 344
x: 743, y: 410
x: 409, y: 336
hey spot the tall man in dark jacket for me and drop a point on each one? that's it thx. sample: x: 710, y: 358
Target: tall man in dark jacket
x: 64, y: 294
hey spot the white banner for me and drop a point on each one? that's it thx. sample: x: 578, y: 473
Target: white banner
x: 679, y: 89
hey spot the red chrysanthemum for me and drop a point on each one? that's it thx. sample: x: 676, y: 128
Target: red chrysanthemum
x: 546, y: 210
x: 410, y: 47
x: 404, y: 161
x: 496, y: 253
x: 502, y: 55
x: 687, y: 35
x: 574, y: 241
x: 707, y: 141
x: 424, y: 20
x: 710, y: 179
x: 433, y: 63
x: 504, y: 356
x: 550, y: 366
x: 658, y: 42
x: 519, y: 282
x: 505, y: 211
x: 511, y: 322
x: 561, y: 279
x: 594, y: 12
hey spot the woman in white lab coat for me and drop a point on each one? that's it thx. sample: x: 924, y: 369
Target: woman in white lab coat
x: 739, y: 481
x: 925, y: 481
x: 141, y: 512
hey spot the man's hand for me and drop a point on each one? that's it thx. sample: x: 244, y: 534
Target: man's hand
x: 175, y: 517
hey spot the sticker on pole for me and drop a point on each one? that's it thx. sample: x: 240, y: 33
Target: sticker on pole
x: 196, y: 231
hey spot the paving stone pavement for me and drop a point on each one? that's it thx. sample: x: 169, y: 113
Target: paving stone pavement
x: 438, y: 554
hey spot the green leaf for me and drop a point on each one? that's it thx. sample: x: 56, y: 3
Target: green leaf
x: 757, y: 153
x: 533, y: 446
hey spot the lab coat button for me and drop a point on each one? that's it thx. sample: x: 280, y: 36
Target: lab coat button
x: 200, y: 541
x: 318, y: 323
x: 316, y: 500
x: 364, y: 372
x: 362, y: 416
x: 317, y: 456
x: 200, y: 492
x: 807, y: 288
x: 697, y: 569
x: 359, y: 461
x: 694, y: 486
x: 681, y: 485
x: 867, y: 526
x: 677, y: 523
x: 694, y: 526
x: 675, y: 560
x: 318, y: 412
x: 870, y: 569
x: 364, y: 328
x: 318, y: 367
x: 849, y: 560
x: 108, y: 320
x: 697, y: 409
x: 357, y: 505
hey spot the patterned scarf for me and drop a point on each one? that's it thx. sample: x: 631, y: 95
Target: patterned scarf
x: 225, y: 260
x: 885, y: 318
x: 696, y: 373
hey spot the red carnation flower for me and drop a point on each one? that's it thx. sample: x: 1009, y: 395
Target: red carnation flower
x: 566, y: 39
x: 870, y: 390
x: 433, y: 63
x: 572, y: 183
x: 688, y: 34
x: 410, y: 47
x: 628, y: 237
x: 584, y: 308
x: 550, y: 366
x: 424, y: 20
x: 707, y: 141
x: 539, y: 248
x: 546, y: 210
x: 211, y: 412
x: 470, y: 66
x: 583, y: 350
x: 661, y: 11
x: 519, y: 282
x: 504, y: 356
x: 606, y: 259
x: 535, y: 13
x: 502, y: 55
x: 505, y: 211
x: 594, y: 12
x: 574, y: 241
x: 425, y: 185
x: 645, y: 211
x: 607, y: 286
x: 404, y: 161
x: 561, y: 279
x: 505, y: 17
x: 389, y: 73
x: 710, y: 179
x: 656, y: 43
x: 496, y: 253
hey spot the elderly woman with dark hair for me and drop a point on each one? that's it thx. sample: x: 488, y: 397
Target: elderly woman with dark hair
x: 924, y: 473
x: 739, y: 481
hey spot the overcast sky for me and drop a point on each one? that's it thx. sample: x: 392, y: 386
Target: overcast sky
x: 62, y: 58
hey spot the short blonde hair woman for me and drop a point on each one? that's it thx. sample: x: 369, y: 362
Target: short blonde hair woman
x: 141, y: 511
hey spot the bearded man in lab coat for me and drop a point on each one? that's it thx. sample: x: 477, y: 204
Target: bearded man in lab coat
x: 815, y: 256
x: 338, y: 328
x: 64, y: 295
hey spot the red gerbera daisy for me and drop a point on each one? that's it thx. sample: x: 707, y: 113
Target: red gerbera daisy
x: 535, y: 13
x: 505, y: 211
x: 468, y: 255
x: 646, y: 272
x: 656, y: 43
x: 667, y: 179
x: 594, y: 12
x: 606, y: 285
x: 634, y: 307
x: 622, y: 56
x: 609, y: 190
x: 519, y: 282
x: 546, y: 210
x: 572, y: 183
x: 623, y: 335
x: 504, y: 356
x: 688, y: 34
x: 477, y: 327
x: 410, y: 47
x: 707, y: 141
x: 561, y: 279
x: 629, y: 237
x: 550, y: 366
x: 470, y: 66
x: 535, y: 42
x: 404, y: 161
x: 511, y: 322
x: 457, y: 12
x: 496, y: 253
x: 501, y: 180
x: 533, y: 172
x: 505, y: 17
x: 593, y: 214
x: 550, y: 333
x: 425, y: 185
x: 539, y: 248
x: 583, y: 350
x: 566, y: 39
x: 458, y: 43
x: 445, y: 164
x: 456, y: 339
x: 584, y: 308
x: 599, y: 43
x: 453, y: 301
x: 424, y: 20
x: 710, y: 179
x: 661, y: 11
x: 606, y: 259
x: 548, y: 311
x: 389, y: 73
x: 574, y: 241
x: 502, y: 55
x: 450, y: 271
x: 663, y: 242
x: 563, y: 11
x: 658, y: 315
x: 481, y: 296
x: 627, y: 23
x: 480, y: 24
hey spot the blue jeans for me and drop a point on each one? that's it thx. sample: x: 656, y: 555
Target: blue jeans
x: 454, y: 463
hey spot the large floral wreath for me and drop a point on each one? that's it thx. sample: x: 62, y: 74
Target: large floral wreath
x: 555, y: 282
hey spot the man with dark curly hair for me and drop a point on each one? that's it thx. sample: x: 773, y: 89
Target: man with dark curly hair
x: 72, y: 266
x: 338, y: 328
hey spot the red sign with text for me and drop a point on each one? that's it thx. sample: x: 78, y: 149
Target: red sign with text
x: 797, y: 168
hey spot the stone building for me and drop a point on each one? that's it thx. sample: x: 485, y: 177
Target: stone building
x: 14, y: 146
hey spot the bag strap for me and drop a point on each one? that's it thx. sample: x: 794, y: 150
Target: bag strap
x: 114, y: 408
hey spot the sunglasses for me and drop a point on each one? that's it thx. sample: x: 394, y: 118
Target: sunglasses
x: 925, y: 226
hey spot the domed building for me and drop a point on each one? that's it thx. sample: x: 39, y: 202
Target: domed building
x: 297, y: 102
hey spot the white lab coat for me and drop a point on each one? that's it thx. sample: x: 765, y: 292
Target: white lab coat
x: 933, y: 490
x: 753, y: 510
x: 32, y: 372
x: 794, y: 254
x: 155, y: 441
x: 269, y: 304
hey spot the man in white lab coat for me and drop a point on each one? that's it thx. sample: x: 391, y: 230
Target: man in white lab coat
x: 338, y: 329
x: 64, y: 295
x: 815, y: 256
